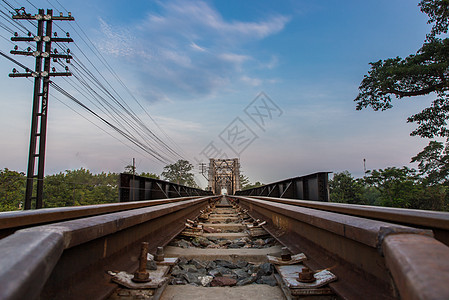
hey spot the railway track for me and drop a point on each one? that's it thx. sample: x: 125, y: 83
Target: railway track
x: 70, y: 253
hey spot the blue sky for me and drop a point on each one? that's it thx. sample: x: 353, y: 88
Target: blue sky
x: 196, y: 65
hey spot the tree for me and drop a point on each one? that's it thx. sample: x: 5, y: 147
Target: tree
x: 422, y: 73
x: 345, y: 189
x: 12, y: 189
x: 398, y: 187
x: 129, y: 169
x: 245, y: 184
x: 434, y: 163
x: 149, y: 175
x: 179, y: 173
x: 80, y: 187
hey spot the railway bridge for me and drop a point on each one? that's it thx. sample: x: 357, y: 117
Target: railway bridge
x: 280, y: 241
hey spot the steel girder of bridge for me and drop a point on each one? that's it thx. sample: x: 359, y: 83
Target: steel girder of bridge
x: 310, y: 187
x: 138, y: 188
x: 224, y: 174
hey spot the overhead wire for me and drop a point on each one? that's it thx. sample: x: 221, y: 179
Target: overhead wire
x: 101, y: 58
x: 127, y: 123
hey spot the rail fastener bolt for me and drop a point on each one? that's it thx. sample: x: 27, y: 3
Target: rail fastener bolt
x: 159, y: 254
x: 142, y: 274
x: 306, y: 275
x: 285, y: 254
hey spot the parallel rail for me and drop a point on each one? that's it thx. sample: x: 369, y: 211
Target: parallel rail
x: 15, y: 220
x: 367, y: 255
x: 69, y: 259
x: 436, y: 221
x: 68, y: 256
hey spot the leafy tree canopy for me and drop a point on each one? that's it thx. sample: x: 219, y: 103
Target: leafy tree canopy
x: 245, y: 184
x: 345, y: 189
x: 12, y: 189
x: 422, y: 73
x: 434, y: 163
x: 180, y: 173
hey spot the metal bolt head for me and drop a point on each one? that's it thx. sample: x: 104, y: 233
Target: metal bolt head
x: 285, y: 255
x: 306, y: 275
x: 141, y: 277
x: 159, y: 254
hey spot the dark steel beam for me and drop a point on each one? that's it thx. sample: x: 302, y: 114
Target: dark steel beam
x: 310, y: 187
x: 138, y: 188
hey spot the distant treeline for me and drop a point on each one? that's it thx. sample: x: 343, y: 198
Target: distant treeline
x: 69, y: 188
x: 393, y: 187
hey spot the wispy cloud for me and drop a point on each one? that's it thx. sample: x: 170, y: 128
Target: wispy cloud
x: 188, y: 49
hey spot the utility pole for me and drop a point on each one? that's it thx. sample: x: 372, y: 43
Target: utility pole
x: 364, y: 167
x: 40, y: 99
x: 134, y: 178
x: 203, y: 170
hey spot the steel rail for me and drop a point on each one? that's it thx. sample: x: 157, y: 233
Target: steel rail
x: 69, y: 259
x: 367, y: 255
x: 437, y: 221
x: 14, y: 220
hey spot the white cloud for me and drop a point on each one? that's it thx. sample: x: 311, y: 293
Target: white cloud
x: 188, y: 49
x: 251, y: 81
x: 196, y: 47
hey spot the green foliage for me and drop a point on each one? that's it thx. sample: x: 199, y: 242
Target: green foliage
x: 434, y: 163
x: 12, y: 189
x: 129, y: 169
x: 179, y: 173
x: 345, y: 189
x: 397, y: 187
x: 394, y: 187
x: 422, y: 73
x: 149, y: 175
x: 245, y: 184
x: 419, y: 74
x: 80, y: 187
x: 438, y: 12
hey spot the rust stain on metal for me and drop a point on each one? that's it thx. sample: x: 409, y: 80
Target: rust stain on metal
x: 306, y: 275
x: 280, y: 222
x: 105, y: 247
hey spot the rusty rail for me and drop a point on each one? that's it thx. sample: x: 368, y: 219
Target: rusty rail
x: 15, y: 220
x: 69, y: 259
x: 46, y: 261
x: 367, y: 255
x: 437, y: 221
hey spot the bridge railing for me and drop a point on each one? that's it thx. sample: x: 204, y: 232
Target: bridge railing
x: 310, y: 187
x: 137, y: 188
